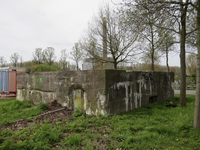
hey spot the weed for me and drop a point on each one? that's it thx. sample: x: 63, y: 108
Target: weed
x: 73, y: 140
x: 89, y: 135
x: 3, y: 110
x: 88, y: 147
x: 47, y: 121
x: 1, y: 140
x: 78, y: 112
x: 59, y: 119
x: 59, y: 122
x: 6, y: 133
x: 43, y: 106
x: 13, y: 110
x: 37, y: 118
x: 29, y: 120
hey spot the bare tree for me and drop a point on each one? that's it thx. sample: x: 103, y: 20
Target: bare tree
x: 28, y: 63
x: 167, y: 45
x: 2, y: 61
x: 63, y: 60
x: 191, y: 64
x: 21, y: 61
x: 49, y: 56
x: 112, y: 40
x: 14, y: 59
x: 72, y: 66
x: 77, y: 54
x: 38, y: 56
x: 175, y: 13
x: 147, y: 59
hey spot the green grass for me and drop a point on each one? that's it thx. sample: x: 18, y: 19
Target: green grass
x: 4, y: 101
x: 148, y: 128
x: 12, y: 110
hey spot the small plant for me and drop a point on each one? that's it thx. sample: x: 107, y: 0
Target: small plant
x: 4, y: 109
x: 59, y: 122
x: 1, y: 139
x: 59, y: 119
x: 89, y: 135
x: 73, y: 140
x: 28, y: 106
x: 78, y: 112
x: 29, y: 120
x: 88, y: 147
x: 43, y: 106
x: 47, y: 121
x: 5, y: 133
x: 37, y: 118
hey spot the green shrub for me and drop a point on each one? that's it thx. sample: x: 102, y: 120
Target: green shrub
x: 7, y: 122
x: 78, y: 112
x: 1, y: 139
x: 28, y: 106
x: 43, y: 106
x: 40, y: 68
x: 73, y: 140
x: 3, y: 109
x: 14, y: 105
x: 47, y: 121
x: 29, y: 69
x: 29, y: 120
x: 5, y: 133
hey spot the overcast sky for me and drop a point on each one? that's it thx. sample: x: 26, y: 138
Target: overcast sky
x: 29, y: 24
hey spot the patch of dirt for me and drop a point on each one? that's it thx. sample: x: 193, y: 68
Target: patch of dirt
x: 56, y: 113
x: 53, y: 105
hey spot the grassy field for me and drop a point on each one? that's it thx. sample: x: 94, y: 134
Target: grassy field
x: 12, y: 109
x: 152, y: 127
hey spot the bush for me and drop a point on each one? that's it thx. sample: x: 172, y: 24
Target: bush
x: 14, y: 105
x: 29, y: 120
x: 1, y: 140
x: 78, y: 112
x: 40, y: 68
x: 73, y: 140
x: 43, y: 106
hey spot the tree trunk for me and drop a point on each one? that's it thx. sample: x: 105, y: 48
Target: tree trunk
x: 197, y: 101
x: 152, y: 58
x: 77, y: 65
x: 182, y: 57
x: 152, y: 49
x: 115, y: 65
x: 167, y: 58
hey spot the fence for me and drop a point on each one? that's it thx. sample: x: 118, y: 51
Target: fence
x: 8, y: 83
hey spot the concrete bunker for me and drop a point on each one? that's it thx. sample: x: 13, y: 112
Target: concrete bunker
x: 97, y: 91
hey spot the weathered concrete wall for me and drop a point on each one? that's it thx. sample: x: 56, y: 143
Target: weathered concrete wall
x: 98, y: 91
x: 129, y: 90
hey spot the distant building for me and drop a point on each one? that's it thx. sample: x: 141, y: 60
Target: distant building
x: 18, y: 69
